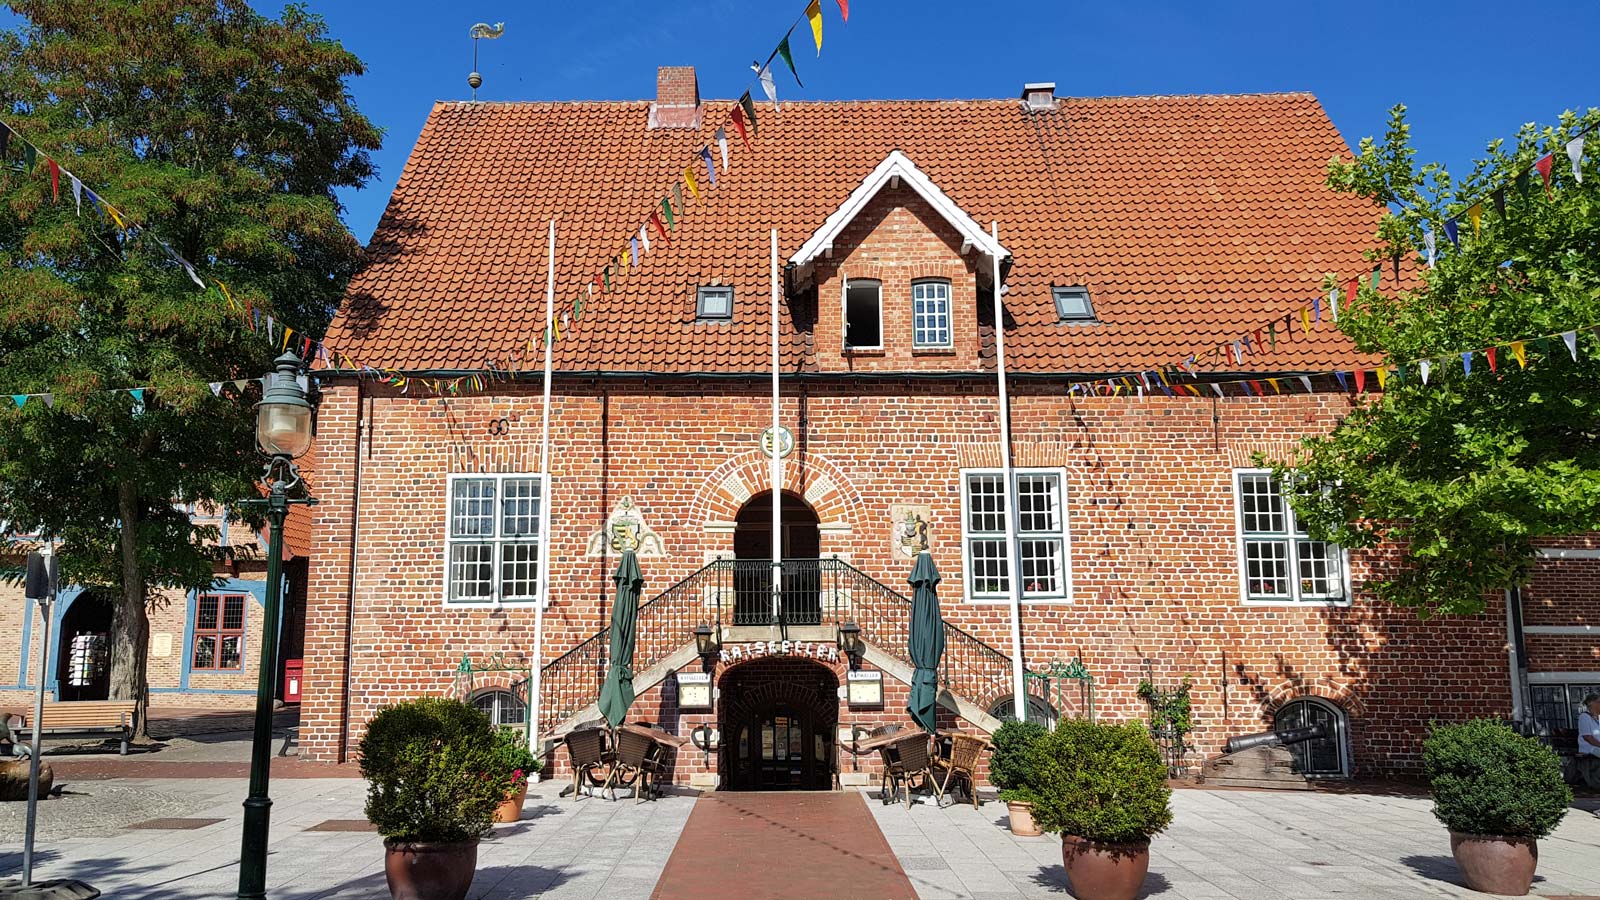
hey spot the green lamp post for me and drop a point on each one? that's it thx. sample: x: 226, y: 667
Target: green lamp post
x: 283, y: 434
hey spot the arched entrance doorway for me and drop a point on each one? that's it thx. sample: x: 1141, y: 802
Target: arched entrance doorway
x: 778, y: 719
x: 83, y: 660
x: 799, y: 601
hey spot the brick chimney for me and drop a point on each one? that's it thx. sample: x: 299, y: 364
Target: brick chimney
x: 677, y: 98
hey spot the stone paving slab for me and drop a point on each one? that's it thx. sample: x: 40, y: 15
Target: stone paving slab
x: 580, y: 850
x: 1232, y: 845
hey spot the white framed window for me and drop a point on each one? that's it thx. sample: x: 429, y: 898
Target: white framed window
x: 492, y: 538
x: 1278, y: 561
x: 863, y: 314
x: 1044, y: 550
x: 930, y: 314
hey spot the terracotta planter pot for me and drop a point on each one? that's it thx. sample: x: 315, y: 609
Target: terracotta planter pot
x: 1105, y: 871
x: 510, y: 809
x: 1495, y: 864
x: 428, y: 871
x: 1022, y: 819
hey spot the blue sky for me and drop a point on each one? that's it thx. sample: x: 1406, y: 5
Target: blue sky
x: 1470, y: 71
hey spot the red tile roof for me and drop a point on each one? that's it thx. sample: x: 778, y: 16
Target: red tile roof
x: 1190, y: 218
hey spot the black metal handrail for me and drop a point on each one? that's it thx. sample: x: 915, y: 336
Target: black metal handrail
x: 810, y: 592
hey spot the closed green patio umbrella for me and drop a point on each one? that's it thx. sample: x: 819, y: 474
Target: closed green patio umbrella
x: 927, y: 641
x: 616, y: 695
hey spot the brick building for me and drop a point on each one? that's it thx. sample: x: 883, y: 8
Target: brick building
x: 1131, y: 232
x: 203, y: 644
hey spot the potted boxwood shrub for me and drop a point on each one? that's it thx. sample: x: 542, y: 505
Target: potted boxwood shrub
x: 1008, y: 771
x: 432, y: 785
x: 517, y: 765
x: 1103, y: 788
x: 1498, y: 792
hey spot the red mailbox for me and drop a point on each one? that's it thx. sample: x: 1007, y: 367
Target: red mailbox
x: 293, y: 672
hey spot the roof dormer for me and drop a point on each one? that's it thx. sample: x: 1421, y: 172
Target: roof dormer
x: 896, y: 170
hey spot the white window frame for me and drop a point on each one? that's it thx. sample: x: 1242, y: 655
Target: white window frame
x: 1065, y: 562
x: 949, y: 321
x: 1293, y: 536
x: 497, y: 541
x: 844, y: 310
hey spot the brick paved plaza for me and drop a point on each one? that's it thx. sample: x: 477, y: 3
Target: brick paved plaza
x: 1223, y: 844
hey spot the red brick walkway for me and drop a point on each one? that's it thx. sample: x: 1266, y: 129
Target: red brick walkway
x: 782, y: 845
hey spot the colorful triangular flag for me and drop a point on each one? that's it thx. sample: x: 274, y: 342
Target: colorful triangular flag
x: 788, y: 58
x: 1542, y: 165
x: 1574, y: 153
x: 1466, y: 362
x: 1570, y: 338
x: 844, y: 10
x: 711, y: 169
x: 722, y: 146
x: 814, y: 13
x: 1452, y: 231
x: 1425, y: 366
x: 1431, y: 242
x: 768, y: 86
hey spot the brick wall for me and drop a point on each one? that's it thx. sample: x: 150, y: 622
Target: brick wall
x: 1150, y: 513
x: 897, y: 240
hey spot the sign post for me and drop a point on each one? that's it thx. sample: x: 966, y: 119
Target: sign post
x: 40, y: 587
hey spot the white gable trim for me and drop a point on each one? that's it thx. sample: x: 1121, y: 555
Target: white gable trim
x: 897, y: 166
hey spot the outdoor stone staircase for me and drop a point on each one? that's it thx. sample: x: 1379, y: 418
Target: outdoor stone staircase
x: 815, y: 596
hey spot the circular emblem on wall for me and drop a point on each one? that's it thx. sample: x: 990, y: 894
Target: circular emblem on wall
x: 785, y: 442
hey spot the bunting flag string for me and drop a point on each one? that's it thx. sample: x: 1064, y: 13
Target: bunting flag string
x: 1428, y: 370
x: 663, y: 216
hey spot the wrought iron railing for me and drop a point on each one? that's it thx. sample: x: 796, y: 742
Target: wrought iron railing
x: 811, y: 592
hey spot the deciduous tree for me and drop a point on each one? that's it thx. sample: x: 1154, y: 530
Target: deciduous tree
x: 224, y: 133
x: 1464, y: 474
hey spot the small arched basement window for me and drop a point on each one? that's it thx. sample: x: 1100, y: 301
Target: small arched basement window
x: 502, y: 707
x: 1038, y: 711
x: 1324, y: 757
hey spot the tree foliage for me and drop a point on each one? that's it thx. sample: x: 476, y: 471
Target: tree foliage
x: 1462, y: 475
x: 225, y: 133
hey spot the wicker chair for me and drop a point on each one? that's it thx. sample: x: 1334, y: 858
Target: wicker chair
x: 636, y: 763
x: 586, y: 748
x: 962, y: 766
x: 904, y: 760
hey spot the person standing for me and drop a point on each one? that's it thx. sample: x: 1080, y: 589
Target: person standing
x: 1589, y: 742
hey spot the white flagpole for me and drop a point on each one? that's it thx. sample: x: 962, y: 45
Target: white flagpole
x: 777, y: 450
x: 1013, y: 564
x: 535, y: 676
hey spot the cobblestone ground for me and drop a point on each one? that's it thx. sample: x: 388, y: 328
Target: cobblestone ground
x: 1244, y: 845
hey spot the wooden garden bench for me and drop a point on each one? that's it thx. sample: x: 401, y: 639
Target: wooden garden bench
x: 80, y: 718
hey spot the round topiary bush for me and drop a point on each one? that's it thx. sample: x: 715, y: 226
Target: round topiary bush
x: 433, y: 771
x: 1008, y: 763
x: 1487, y: 779
x: 1099, y: 782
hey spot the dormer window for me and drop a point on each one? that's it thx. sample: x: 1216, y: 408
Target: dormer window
x: 1073, y: 305
x: 714, y: 303
x: 863, y: 315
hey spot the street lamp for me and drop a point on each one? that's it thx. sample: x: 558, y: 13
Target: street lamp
x: 283, y: 433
